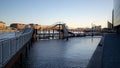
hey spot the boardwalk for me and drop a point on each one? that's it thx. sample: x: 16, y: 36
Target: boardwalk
x: 76, y: 52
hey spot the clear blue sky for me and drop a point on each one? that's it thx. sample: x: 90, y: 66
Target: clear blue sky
x: 75, y: 13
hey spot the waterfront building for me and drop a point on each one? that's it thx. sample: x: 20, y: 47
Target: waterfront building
x: 116, y: 15
x: 36, y: 26
x: 18, y: 26
x: 96, y: 28
x: 109, y: 25
x: 112, y: 18
x: 2, y: 25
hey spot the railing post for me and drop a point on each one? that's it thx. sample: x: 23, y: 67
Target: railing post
x: 16, y: 44
x: 0, y: 54
x: 26, y: 50
x: 9, y: 48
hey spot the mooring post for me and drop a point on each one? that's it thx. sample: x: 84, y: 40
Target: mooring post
x: 49, y: 33
x: 43, y: 33
x: 34, y: 35
x: 59, y: 31
x: 53, y: 34
x: 39, y: 33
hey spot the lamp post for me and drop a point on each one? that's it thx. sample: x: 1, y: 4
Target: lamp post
x: 92, y: 28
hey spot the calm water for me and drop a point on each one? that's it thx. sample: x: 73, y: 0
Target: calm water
x: 74, y: 53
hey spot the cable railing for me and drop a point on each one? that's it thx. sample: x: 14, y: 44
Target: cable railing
x: 9, y: 47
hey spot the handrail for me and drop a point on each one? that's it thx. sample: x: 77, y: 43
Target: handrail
x: 9, y: 47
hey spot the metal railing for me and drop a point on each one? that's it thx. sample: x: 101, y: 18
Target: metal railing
x: 9, y: 47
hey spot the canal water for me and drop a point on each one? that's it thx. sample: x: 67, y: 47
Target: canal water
x: 74, y: 53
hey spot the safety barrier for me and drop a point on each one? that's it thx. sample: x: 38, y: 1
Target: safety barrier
x: 9, y: 47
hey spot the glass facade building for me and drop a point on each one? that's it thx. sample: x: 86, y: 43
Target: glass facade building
x: 116, y: 13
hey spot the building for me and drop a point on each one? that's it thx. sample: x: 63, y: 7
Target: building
x: 116, y: 15
x: 96, y: 28
x: 18, y: 26
x: 2, y: 25
x: 36, y: 26
x: 109, y: 25
x: 112, y: 18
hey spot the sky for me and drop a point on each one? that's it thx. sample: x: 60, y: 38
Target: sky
x: 75, y: 13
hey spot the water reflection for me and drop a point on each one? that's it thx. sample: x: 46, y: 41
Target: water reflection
x: 76, y: 52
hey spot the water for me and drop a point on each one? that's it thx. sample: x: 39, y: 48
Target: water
x: 74, y: 53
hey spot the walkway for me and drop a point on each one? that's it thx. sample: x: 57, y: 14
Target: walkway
x: 107, y: 56
x: 111, y: 54
x: 96, y: 60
